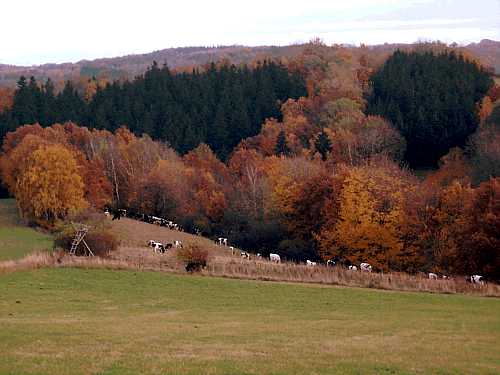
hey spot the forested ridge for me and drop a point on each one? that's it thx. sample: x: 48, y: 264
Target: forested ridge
x: 323, y: 177
x: 431, y: 99
x: 219, y: 106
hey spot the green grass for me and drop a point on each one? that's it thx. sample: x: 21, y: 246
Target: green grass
x: 17, y: 240
x: 73, y: 321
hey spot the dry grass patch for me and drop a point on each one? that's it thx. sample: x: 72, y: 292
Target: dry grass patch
x: 290, y: 272
x: 133, y: 254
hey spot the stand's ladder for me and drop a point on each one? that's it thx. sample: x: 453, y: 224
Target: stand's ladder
x: 79, y: 238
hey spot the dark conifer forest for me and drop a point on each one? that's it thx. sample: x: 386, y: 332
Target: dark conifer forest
x: 219, y: 106
x: 431, y: 99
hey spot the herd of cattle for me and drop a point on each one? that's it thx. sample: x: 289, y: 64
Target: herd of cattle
x: 160, y: 248
x: 118, y: 214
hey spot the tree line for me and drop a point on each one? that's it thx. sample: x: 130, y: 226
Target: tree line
x: 218, y: 106
x: 299, y: 207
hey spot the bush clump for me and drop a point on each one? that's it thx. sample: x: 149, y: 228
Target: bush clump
x: 101, y: 242
x: 194, y: 257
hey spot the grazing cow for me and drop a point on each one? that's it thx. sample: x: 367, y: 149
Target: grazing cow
x: 152, y: 243
x: 156, y: 220
x: 259, y: 255
x: 245, y: 255
x: 330, y: 263
x: 221, y: 241
x: 232, y: 250
x: 433, y: 276
x: 178, y: 243
x: 444, y: 277
x: 365, y: 267
x: 159, y: 248
x: 309, y: 263
x: 352, y: 268
x: 117, y: 215
x: 274, y: 258
x: 476, y: 279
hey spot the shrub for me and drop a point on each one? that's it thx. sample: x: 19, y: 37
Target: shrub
x: 89, y: 216
x: 194, y: 257
x: 100, y: 241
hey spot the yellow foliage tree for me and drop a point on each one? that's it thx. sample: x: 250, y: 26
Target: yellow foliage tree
x: 368, y: 226
x: 50, y: 187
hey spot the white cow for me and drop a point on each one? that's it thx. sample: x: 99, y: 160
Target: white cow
x: 433, y: 276
x: 107, y: 214
x: 352, y: 268
x: 259, y: 255
x: 158, y: 248
x: 309, y: 263
x: 156, y: 220
x: 221, y: 241
x: 245, y: 255
x: 365, y: 267
x: 152, y: 243
x: 232, y: 250
x: 477, y: 279
x: 274, y: 258
x: 178, y: 243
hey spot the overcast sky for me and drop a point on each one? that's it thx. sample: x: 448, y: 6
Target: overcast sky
x: 42, y: 31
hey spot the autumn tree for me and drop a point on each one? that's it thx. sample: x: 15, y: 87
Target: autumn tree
x: 50, y: 187
x: 368, y: 228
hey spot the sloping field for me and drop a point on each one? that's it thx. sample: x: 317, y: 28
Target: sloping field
x: 17, y: 240
x: 134, y: 235
x: 74, y: 321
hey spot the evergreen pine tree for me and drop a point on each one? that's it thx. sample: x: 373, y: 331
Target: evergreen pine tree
x: 323, y: 145
x: 282, y: 148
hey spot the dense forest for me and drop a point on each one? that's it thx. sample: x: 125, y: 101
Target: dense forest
x: 324, y: 178
x: 219, y: 106
x: 431, y: 99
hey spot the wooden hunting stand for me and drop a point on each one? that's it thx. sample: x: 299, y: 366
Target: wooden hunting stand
x: 81, y: 232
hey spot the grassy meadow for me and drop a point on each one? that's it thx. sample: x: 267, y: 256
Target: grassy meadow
x: 17, y: 240
x: 77, y: 321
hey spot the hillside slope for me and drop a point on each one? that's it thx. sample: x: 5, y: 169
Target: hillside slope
x: 17, y: 240
x: 132, y: 65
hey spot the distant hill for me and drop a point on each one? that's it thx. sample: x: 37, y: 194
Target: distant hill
x: 488, y: 51
x: 132, y: 65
